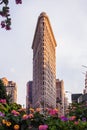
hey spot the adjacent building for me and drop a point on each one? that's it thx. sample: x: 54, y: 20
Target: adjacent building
x: 60, y: 96
x: 75, y: 97
x: 85, y: 90
x: 66, y: 105
x: 29, y: 94
x: 83, y: 97
x: 44, y: 64
x: 11, y: 89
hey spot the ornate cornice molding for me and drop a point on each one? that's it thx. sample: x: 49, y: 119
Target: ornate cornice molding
x: 44, y: 18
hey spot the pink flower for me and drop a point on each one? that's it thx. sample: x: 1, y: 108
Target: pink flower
x: 15, y: 113
x: 3, y: 100
x: 25, y: 117
x: 18, y: 1
x: 38, y: 109
x: 53, y: 112
x: 31, y: 115
x: 76, y: 122
x: 2, y: 114
x: 72, y: 118
x: 43, y: 127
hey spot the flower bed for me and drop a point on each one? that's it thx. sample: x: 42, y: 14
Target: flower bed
x: 14, y: 117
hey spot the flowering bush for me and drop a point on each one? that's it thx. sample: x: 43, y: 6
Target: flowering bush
x: 4, y: 12
x: 14, y: 117
x: 78, y: 109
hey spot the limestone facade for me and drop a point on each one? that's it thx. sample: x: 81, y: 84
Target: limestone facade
x: 60, y: 95
x: 11, y: 89
x: 44, y: 64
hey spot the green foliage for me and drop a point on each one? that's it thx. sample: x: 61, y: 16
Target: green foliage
x: 16, y: 115
x: 3, y: 94
x: 15, y: 106
x: 38, y: 119
x: 79, y: 110
x: 5, y: 108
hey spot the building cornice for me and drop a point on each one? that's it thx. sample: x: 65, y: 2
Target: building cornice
x: 44, y: 16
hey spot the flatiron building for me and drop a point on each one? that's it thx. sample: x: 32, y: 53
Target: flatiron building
x: 44, y: 64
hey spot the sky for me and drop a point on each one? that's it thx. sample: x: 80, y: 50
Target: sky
x: 68, y: 20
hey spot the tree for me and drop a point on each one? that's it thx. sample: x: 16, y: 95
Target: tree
x: 3, y: 94
x: 5, y: 13
x: 79, y: 110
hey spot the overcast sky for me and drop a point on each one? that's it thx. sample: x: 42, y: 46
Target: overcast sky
x: 68, y: 19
